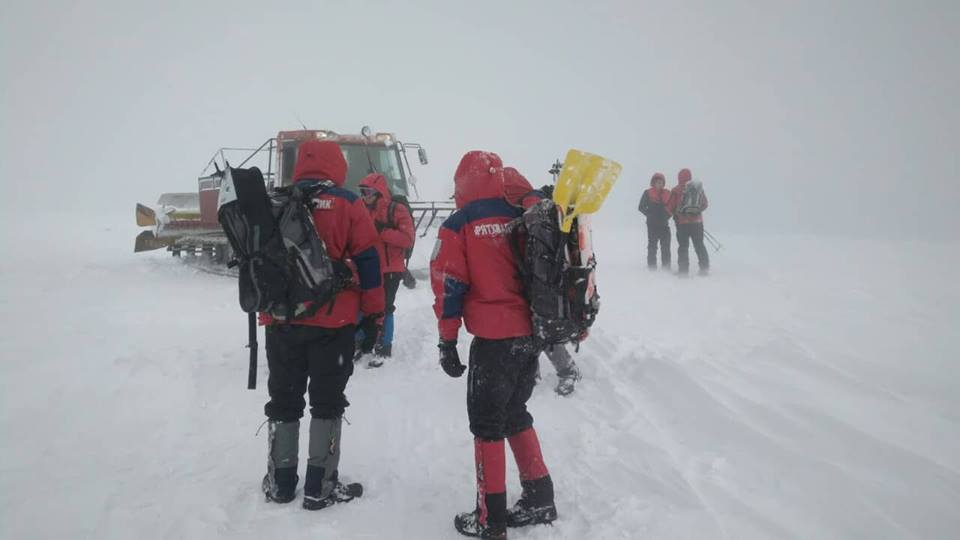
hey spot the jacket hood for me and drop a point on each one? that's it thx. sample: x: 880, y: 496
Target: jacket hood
x: 684, y: 176
x: 658, y: 176
x: 320, y: 160
x: 515, y: 186
x: 479, y: 176
x: 378, y: 182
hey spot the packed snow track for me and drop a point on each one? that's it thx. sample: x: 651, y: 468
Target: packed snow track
x: 807, y: 389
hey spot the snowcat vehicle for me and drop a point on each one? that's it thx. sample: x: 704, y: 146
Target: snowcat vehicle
x: 186, y: 223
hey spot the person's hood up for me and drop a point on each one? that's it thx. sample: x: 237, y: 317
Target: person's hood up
x: 320, y: 160
x: 684, y: 176
x: 378, y: 182
x: 479, y: 176
x: 658, y: 176
x: 515, y: 186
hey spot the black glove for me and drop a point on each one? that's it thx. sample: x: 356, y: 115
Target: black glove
x: 371, y: 331
x: 409, y: 281
x: 450, y: 358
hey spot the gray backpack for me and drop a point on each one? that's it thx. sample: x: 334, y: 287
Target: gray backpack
x: 284, y: 266
x: 691, y: 201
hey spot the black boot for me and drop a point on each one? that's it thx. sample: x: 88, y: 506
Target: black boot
x: 380, y: 352
x: 494, y: 526
x: 280, y: 483
x: 283, y: 487
x: 535, y: 505
x: 313, y: 497
x: 322, y: 487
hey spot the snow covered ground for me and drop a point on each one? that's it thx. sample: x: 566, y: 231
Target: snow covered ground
x: 809, y: 388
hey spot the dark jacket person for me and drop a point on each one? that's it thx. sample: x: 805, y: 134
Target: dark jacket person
x: 655, y: 204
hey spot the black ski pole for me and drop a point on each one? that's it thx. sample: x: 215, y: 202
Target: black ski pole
x: 252, y: 344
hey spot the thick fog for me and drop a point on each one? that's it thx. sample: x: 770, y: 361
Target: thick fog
x: 819, y: 117
x: 806, y: 386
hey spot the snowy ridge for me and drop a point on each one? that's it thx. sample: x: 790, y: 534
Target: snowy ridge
x: 807, y: 389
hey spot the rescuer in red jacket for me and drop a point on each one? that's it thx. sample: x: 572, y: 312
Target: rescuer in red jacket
x: 314, y: 349
x: 689, y: 226
x: 474, y: 277
x: 395, y: 226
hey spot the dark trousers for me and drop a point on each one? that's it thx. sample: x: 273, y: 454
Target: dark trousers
x: 658, y: 235
x: 685, y: 233
x: 391, y: 282
x: 296, y: 353
x: 502, y: 375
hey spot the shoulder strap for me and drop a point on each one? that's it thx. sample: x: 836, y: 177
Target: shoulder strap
x: 515, y: 228
x: 391, y: 210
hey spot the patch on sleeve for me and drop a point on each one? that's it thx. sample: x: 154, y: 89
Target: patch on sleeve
x: 436, y: 250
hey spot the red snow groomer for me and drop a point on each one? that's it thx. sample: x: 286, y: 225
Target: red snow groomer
x: 186, y: 223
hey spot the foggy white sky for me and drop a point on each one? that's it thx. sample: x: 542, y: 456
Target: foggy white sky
x: 836, y: 117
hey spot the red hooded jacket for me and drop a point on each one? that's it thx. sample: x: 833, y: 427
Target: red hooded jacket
x: 518, y: 191
x: 347, y: 231
x: 397, y: 236
x: 473, y: 271
x: 676, y: 195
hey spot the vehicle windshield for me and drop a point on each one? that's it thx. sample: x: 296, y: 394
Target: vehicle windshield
x: 386, y: 161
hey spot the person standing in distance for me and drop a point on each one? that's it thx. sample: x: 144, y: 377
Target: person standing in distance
x: 687, y: 204
x: 655, y: 204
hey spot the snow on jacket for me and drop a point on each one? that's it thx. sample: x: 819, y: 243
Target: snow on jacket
x: 676, y: 195
x: 346, y: 229
x: 655, y: 202
x: 473, y: 271
x: 397, y: 234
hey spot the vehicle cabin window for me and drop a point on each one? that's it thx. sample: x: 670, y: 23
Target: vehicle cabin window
x: 287, y: 161
x: 385, y: 160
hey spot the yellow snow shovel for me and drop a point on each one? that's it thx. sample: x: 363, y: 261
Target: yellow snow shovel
x: 583, y: 185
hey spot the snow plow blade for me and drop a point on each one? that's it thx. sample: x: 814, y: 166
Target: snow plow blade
x: 146, y: 217
x: 583, y: 185
x: 147, y: 241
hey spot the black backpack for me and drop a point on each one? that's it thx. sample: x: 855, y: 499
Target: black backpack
x: 284, y: 266
x: 556, y: 283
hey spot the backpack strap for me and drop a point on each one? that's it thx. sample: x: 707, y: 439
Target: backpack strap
x: 391, y: 211
x: 515, y: 228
